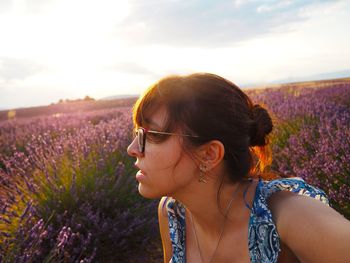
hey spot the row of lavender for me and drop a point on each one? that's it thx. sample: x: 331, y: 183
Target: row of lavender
x: 68, y: 190
x: 312, y: 137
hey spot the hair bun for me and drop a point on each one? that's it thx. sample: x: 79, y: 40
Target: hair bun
x: 262, y: 126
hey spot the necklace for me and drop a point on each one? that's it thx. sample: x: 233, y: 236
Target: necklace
x: 222, y: 228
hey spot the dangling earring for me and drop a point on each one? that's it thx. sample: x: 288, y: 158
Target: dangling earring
x: 202, y: 170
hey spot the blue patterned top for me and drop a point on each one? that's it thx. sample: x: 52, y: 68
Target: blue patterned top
x: 263, y: 239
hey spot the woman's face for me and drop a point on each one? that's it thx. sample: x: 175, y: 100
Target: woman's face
x: 164, y: 168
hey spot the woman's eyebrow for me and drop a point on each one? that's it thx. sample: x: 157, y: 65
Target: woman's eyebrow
x: 153, y: 124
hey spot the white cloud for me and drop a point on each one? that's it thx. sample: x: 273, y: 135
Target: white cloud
x: 268, y: 7
x: 209, y: 24
x: 239, y: 3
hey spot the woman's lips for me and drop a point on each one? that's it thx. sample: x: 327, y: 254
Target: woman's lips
x: 140, y: 175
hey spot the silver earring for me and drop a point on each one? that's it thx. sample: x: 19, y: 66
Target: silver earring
x: 202, y: 170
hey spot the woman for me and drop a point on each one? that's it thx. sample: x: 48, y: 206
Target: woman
x: 200, y: 144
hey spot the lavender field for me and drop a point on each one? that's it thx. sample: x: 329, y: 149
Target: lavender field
x: 67, y: 186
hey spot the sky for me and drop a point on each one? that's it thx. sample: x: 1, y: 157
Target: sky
x: 68, y: 49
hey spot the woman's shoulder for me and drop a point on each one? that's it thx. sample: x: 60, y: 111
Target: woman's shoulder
x: 279, y: 189
x: 297, y: 217
x: 278, y: 207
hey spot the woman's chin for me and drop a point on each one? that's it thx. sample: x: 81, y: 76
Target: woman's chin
x: 148, y: 193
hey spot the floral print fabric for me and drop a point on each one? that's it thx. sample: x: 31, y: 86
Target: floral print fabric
x: 263, y: 239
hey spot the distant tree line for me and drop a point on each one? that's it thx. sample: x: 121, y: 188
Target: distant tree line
x: 86, y: 98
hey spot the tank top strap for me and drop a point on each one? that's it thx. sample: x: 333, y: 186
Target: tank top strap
x: 177, y: 228
x: 295, y: 185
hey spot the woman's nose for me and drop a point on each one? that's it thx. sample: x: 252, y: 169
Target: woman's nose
x: 133, y: 148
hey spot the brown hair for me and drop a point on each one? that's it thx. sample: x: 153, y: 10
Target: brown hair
x: 212, y: 107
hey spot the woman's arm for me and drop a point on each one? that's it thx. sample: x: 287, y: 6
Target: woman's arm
x: 312, y: 230
x: 164, y: 230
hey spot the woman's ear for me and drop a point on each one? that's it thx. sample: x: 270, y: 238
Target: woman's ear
x: 211, y: 154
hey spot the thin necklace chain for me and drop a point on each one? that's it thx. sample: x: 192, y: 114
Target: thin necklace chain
x: 222, y: 228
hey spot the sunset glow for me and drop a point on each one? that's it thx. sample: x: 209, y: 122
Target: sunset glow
x: 68, y: 49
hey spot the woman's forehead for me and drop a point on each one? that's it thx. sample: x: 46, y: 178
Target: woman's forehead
x: 157, y: 119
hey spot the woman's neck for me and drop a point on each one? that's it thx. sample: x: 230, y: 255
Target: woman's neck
x: 209, y: 210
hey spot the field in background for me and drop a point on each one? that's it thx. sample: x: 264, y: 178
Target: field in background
x: 67, y: 187
x: 65, y: 107
x: 83, y: 105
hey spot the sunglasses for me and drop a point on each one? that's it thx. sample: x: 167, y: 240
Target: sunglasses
x: 141, y: 134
